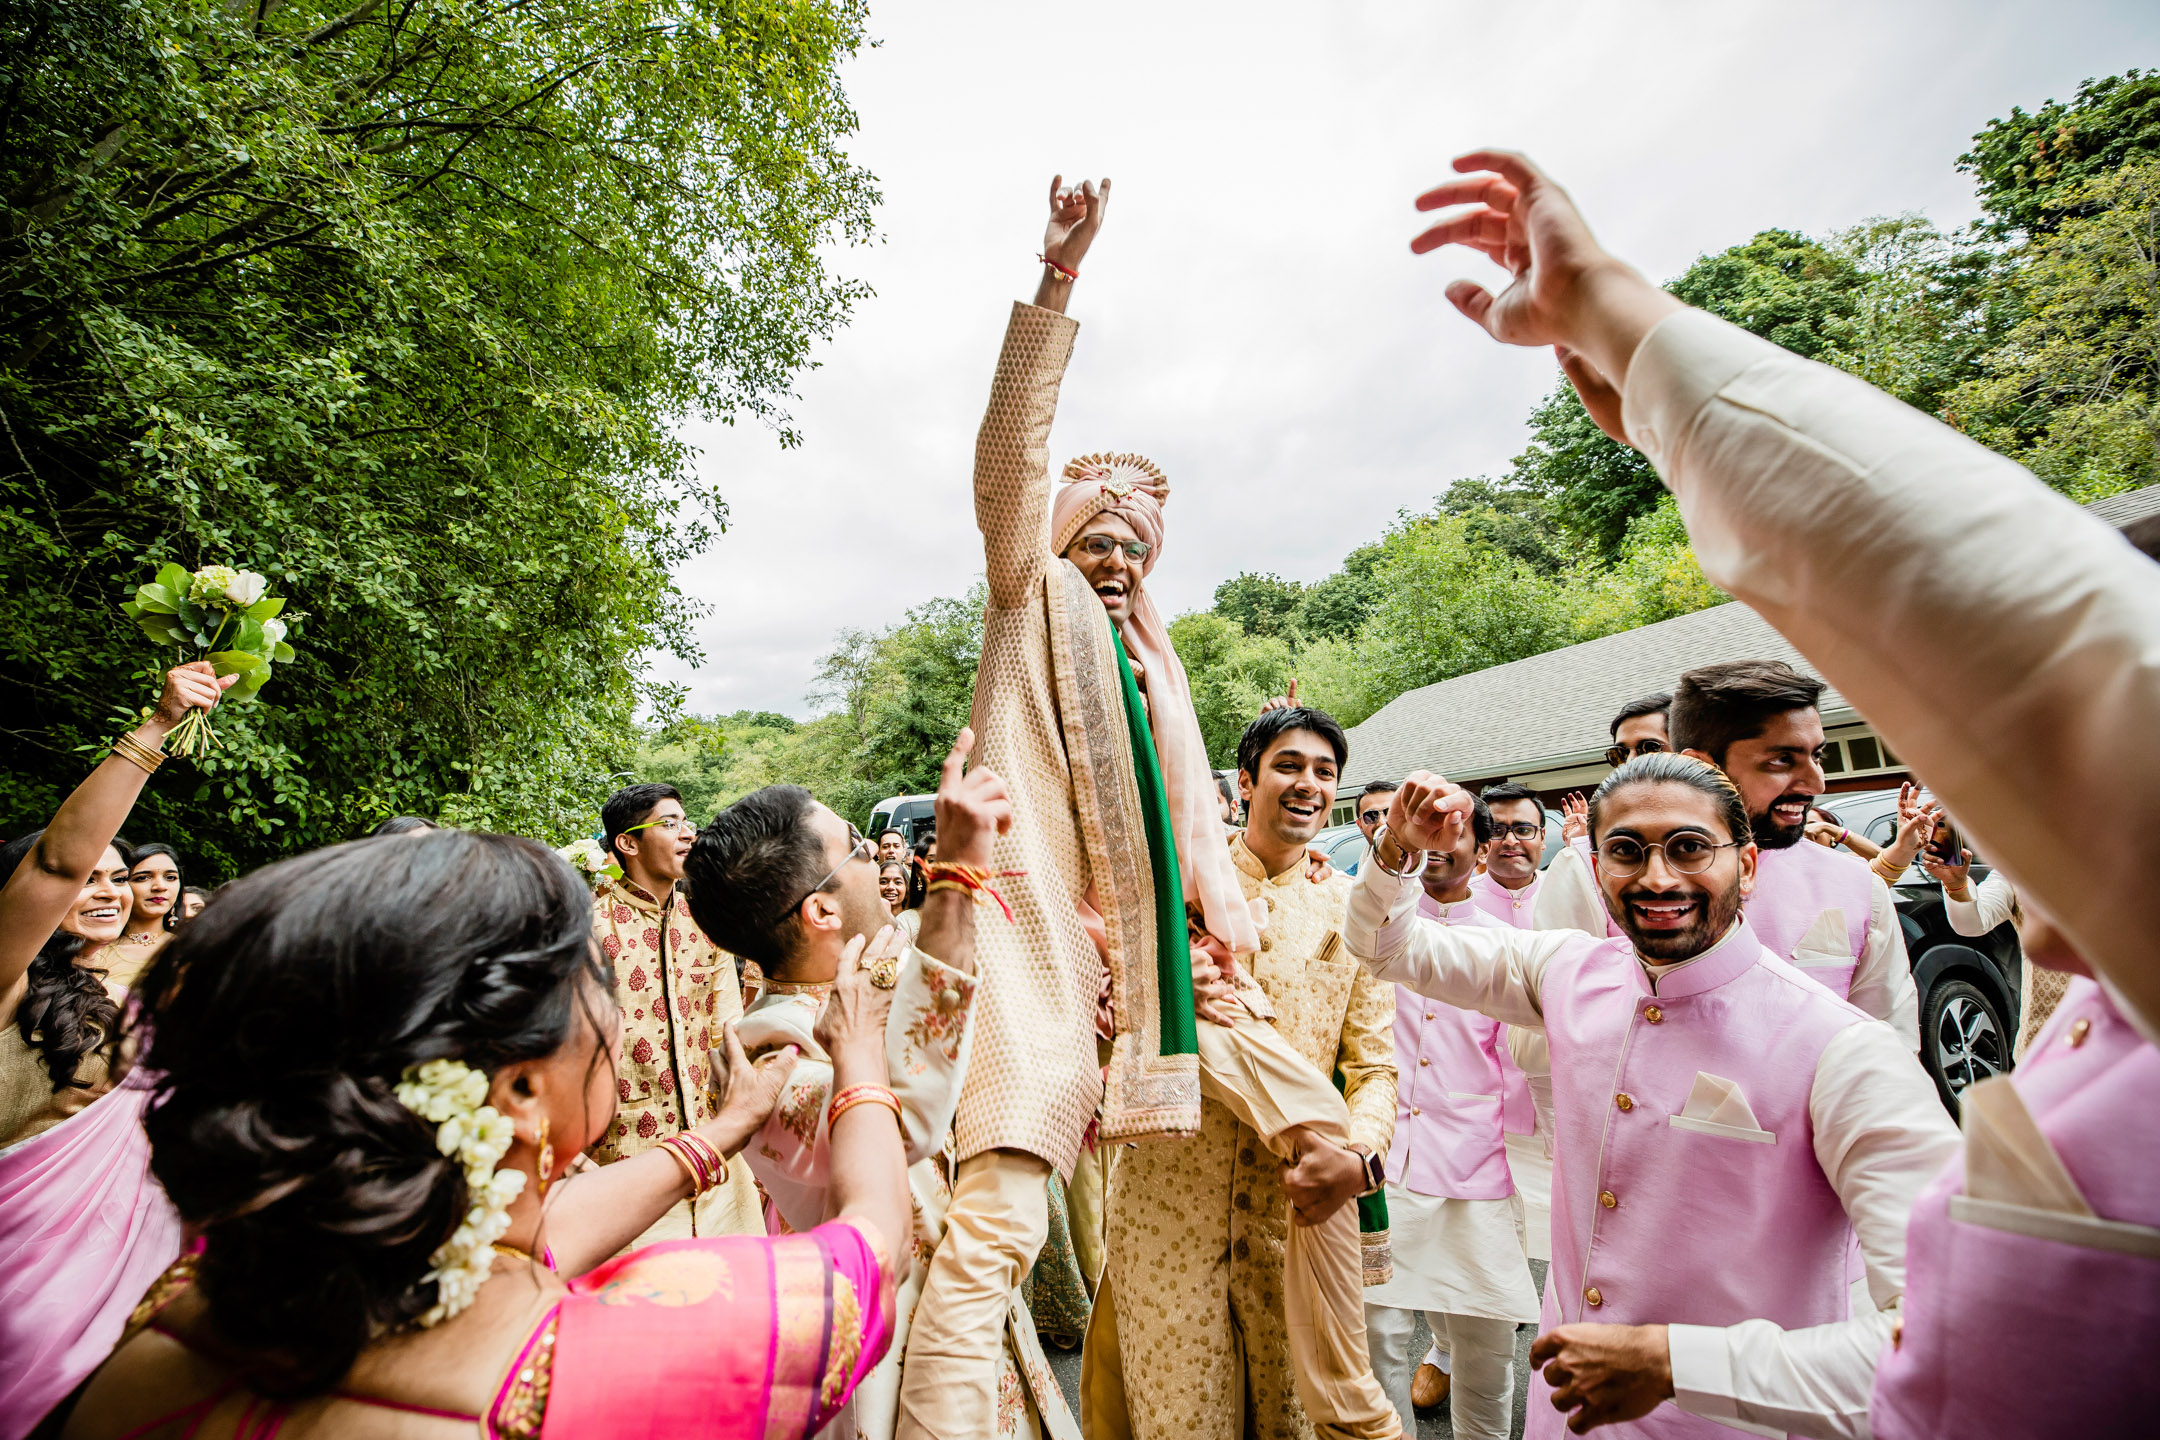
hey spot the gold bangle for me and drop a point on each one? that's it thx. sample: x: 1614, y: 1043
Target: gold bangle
x: 128, y: 748
x: 855, y: 1095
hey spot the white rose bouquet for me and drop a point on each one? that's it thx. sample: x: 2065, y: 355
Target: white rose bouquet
x: 588, y: 859
x: 227, y: 618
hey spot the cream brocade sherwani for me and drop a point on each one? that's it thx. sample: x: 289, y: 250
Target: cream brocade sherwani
x: 1048, y: 720
x: 1193, y: 1306
x: 677, y: 990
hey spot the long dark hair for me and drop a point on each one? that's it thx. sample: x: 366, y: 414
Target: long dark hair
x: 65, y: 1012
x: 139, y: 853
x: 282, y: 1018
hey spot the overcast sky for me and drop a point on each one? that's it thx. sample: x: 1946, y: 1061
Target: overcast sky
x: 1251, y: 316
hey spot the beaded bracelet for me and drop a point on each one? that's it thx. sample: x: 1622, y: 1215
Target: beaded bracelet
x: 854, y: 1095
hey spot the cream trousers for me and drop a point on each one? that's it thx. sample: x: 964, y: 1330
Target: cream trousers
x: 1481, y: 1367
x: 1131, y: 1385
x: 999, y: 1217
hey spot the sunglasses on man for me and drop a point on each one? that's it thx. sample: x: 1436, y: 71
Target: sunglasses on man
x: 1617, y: 755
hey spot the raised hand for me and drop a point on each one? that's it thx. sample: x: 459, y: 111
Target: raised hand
x: 1282, y: 702
x: 1567, y: 291
x: 1574, y: 817
x: 1076, y: 215
x: 973, y: 808
x: 1428, y: 812
x: 194, y: 686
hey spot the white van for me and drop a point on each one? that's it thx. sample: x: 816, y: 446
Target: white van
x: 912, y: 815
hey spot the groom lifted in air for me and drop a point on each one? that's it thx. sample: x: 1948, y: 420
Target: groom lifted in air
x: 1081, y: 705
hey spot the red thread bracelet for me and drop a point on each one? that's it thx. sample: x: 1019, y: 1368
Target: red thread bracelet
x: 1066, y: 271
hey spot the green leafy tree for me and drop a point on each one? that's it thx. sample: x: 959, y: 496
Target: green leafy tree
x: 400, y: 305
x: 1338, y: 606
x: 1510, y: 521
x: 1259, y: 604
x: 1782, y: 286
x: 1231, y: 674
x: 2032, y: 170
x: 1923, y: 313
x: 2071, y: 391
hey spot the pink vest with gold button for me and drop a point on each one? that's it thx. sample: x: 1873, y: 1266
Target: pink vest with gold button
x: 1793, y: 888
x: 1509, y: 907
x: 1449, y: 1080
x: 1661, y: 1218
x: 2015, y: 1326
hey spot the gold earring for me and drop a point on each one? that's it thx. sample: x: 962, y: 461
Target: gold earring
x: 547, y: 1160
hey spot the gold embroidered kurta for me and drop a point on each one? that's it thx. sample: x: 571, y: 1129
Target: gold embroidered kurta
x: 677, y: 990
x: 1048, y: 718
x: 1204, y: 1223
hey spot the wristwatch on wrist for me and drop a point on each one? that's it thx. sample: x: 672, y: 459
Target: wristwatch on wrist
x: 1375, y: 1173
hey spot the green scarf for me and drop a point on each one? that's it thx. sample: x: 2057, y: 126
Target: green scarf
x: 1173, y: 956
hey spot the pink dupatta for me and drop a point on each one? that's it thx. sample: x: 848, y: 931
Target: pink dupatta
x: 84, y: 1230
x: 739, y: 1337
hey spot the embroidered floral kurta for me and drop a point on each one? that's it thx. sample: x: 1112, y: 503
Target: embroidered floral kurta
x: 677, y: 990
x: 929, y: 1035
x: 1178, y: 1209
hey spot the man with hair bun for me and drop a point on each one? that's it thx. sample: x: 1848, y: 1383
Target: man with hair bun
x: 1722, y: 1123
x: 677, y: 991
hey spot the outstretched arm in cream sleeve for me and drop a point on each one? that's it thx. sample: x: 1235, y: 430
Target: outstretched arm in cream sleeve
x: 1878, y: 541
x: 1012, y: 474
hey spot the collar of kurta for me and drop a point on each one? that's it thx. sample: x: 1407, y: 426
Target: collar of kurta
x: 1242, y: 855
x: 1725, y: 961
x: 636, y: 895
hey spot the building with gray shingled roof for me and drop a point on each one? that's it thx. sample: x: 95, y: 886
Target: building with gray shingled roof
x: 1544, y: 720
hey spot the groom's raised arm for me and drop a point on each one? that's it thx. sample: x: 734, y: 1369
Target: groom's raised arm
x: 1012, y: 468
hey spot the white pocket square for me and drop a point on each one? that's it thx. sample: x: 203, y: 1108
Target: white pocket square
x: 1716, y: 1107
x: 1718, y: 1101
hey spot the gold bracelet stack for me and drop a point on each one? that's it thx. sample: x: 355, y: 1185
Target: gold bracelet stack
x: 855, y: 1095
x: 701, y: 1162
x: 128, y: 748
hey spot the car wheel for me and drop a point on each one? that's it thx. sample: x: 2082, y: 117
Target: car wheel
x: 1962, y: 1039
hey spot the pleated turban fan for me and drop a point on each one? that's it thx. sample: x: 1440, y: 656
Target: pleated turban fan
x: 1132, y: 488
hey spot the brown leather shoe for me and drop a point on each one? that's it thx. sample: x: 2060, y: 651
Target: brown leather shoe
x: 1428, y: 1387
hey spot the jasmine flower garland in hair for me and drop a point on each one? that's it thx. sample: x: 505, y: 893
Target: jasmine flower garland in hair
x: 454, y: 1096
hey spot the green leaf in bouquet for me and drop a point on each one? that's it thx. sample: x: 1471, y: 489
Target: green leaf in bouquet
x: 157, y: 598
x: 266, y: 608
x: 245, y: 687
x: 174, y: 578
x: 283, y: 654
x: 132, y: 610
x: 237, y: 662
x: 248, y: 636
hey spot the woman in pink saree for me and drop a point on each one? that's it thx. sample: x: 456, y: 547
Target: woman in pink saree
x: 83, y: 1227
x: 377, y: 1066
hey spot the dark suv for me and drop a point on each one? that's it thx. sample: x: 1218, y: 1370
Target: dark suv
x: 1969, y: 985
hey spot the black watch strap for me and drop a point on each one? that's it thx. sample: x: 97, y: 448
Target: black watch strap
x: 1375, y: 1173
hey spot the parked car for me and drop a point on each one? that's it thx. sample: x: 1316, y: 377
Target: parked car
x: 1344, y: 846
x: 911, y: 815
x: 1970, y: 986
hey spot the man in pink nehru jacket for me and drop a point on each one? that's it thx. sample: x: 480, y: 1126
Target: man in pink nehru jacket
x: 1879, y: 541
x: 1721, y: 1121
